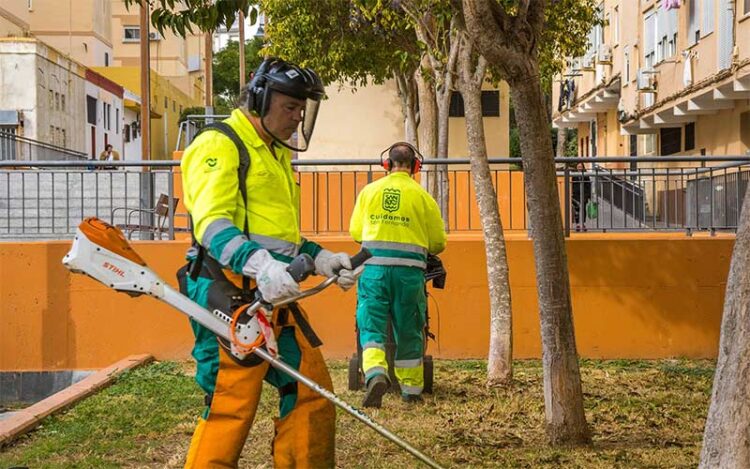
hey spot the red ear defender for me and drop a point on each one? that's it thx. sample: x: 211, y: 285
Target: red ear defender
x: 417, y: 164
x: 387, y: 163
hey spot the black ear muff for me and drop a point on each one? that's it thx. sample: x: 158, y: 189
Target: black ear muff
x: 256, y: 95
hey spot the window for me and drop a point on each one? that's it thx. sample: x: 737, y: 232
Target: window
x: 694, y: 33
x: 634, y: 145
x: 626, y: 66
x: 747, y: 7
x: 62, y: 102
x: 745, y: 130
x: 91, y: 110
x: 670, y: 141
x: 456, y: 108
x: 166, y: 102
x: 31, y: 5
x: 57, y: 101
x: 131, y: 34
x: 52, y: 134
x: 616, y: 25
x: 106, y: 59
x: 174, y: 106
x: 126, y: 133
x: 51, y: 99
x: 104, y: 114
x: 180, y: 109
x: 690, y: 136
x: 668, y: 32
x: 117, y: 120
x: 648, y: 142
x: 109, y: 117
x: 649, y: 39
x: 490, y: 104
x: 64, y: 141
x: 707, y: 26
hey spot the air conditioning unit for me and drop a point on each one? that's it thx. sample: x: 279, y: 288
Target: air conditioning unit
x: 604, y: 55
x: 646, y: 80
x: 587, y: 63
x: 154, y: 36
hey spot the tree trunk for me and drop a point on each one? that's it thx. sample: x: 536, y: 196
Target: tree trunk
x: 500, y: 359
x: 427, y: 130
x: 726, y: 440
x: 562, y: 133
x: 443, y: 107
x: 407, y: 93
x: 566, y: 422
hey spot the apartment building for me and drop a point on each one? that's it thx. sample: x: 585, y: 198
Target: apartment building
x: 43, y: 94
x: 222, y: 37
x: 179, y: 60
x: 103, y: 36
x: 661, y: 78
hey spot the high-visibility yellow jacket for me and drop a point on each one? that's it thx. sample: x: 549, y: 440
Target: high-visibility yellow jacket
x: 398, y: 221
x: 212, y: 196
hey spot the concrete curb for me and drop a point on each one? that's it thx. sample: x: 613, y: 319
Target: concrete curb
x: 28, y: 418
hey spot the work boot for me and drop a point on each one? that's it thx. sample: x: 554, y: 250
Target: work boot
x: 376, y: 387
x: 411, y: 398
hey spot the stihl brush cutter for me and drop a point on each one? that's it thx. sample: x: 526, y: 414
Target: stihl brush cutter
x: 101, y: 251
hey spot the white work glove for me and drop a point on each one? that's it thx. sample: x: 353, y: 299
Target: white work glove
x: 271, y: 277
x: 348, y: 278
x: 329, y: 264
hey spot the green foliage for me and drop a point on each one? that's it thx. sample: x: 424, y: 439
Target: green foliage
x: 191, y: 111
x: 342, y: 41
x: 226, y: 68
x: 181, y: 16
x: 567, y: 24
x: 514, y: 143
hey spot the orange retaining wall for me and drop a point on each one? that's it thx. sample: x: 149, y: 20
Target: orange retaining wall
x: 634, y: 296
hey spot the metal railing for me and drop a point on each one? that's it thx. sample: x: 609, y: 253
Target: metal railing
x: 47, y: 200
x: 16, y: 148
x: 193, y: 124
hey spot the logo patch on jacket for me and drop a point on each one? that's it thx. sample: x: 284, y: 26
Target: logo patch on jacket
x: 391, y: 199
x: 210, y: 164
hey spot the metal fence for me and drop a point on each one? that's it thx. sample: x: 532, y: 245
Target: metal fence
x: 47, y: 200
x: 16, y: 148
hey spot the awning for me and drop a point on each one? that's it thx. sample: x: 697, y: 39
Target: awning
x: 704, y: 102
x: 603, y: 100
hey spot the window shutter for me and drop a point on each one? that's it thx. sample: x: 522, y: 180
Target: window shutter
x: 649, y: 38
x: 707, y: 12
x: 693, y: 22
x: 726, y: 28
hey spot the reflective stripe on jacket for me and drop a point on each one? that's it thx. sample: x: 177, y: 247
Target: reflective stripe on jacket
x: 398, y: 221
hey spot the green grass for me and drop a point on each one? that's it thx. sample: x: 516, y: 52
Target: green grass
x: 642, y: 414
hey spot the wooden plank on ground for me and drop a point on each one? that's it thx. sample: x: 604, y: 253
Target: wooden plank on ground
x: 28, y: 418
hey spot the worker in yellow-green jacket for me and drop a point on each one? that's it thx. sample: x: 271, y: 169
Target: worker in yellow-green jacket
x: 400, y: 223
x: 243, y: 200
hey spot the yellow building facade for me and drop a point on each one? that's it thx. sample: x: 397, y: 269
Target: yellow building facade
x: 167, y: 102
x: 659, y: 81
x: 361, y: 123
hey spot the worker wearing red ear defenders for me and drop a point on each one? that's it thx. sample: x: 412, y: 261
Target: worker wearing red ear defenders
x: 400, y: 223
x: 398, y: 148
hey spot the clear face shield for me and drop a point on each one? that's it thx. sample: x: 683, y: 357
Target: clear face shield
x: 288, y: 120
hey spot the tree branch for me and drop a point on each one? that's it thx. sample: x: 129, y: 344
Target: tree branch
x: 488, y: 26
